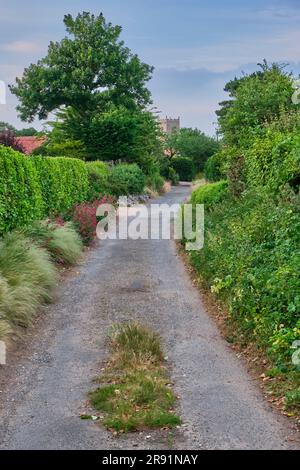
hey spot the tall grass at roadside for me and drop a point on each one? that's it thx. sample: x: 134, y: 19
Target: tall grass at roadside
x: 62, y: 241
x: 27, y: 280
x: 136, y: 392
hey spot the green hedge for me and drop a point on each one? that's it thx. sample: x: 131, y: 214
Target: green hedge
x: 20, y: 192
x: 273, y: 160
x: 98, y: 179
x: 64, y: 182
x: 210, y: 194
x: 34, y: 187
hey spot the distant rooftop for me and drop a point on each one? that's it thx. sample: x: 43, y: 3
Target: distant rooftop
x: 30, y: 143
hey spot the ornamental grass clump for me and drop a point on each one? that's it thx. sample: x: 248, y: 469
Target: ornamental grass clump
x: 27, y: 280
x: 60, y: 238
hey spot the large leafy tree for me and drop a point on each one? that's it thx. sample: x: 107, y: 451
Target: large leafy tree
x: 89, y: 70
x: 124, y: 135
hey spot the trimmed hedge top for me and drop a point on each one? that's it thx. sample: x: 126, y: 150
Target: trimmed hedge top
x: 210, y: 194
x: 35, y: 187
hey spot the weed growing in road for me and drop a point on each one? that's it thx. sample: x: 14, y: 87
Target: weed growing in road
x: 137, y: 392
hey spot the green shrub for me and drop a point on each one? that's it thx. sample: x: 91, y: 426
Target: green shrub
x: 126, y: 179
x: 173, y: 176
x: 62, y: 241
x: 210, y: 194
x: 98, y: 179
x: 155, y: 182
x: 292, y: 399
x: 213, y: 168
x: 167, y: 171
x: 27, y: 279
x: 184, y: 167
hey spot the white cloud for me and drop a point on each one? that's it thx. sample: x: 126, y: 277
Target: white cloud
x: 22, y: 47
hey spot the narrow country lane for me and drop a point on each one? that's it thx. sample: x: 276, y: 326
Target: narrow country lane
x: 144, y: 280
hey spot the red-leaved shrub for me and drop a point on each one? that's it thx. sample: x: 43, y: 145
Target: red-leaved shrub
x: 8, y: 139
x: 85, y: 218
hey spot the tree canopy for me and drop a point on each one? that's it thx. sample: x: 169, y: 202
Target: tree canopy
x: 89, y: 70
x: 193, y: 144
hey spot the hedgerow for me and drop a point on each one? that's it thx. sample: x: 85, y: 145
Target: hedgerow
x: 251, y: 254
x: 98, y: 179
x: 21, y: 199
x: 64, y: 182
x: 251, y: 260
x: 210, y: 194
x: 32, y: 188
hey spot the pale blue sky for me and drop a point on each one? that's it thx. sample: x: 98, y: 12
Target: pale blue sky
x: 194, y: 45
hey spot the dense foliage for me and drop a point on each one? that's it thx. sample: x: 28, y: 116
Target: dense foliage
x: 251, y: 254
x: 184, y: 167
x: 191, y: 143
x: 251, y: 259
x: 213, y: 170
x: 126, y: 179
x: 98, y: 179
x: 64, y: 147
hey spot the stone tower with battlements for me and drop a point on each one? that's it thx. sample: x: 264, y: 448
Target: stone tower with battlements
x: 169, y: 125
